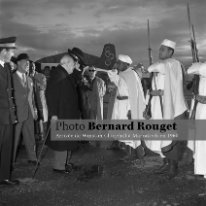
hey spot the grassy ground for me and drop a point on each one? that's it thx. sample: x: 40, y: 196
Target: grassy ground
x: 121, y: 183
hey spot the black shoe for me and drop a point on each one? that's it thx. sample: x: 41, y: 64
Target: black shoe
x: 59, y: 171
x: 33, y: 162
x: 9, y: 182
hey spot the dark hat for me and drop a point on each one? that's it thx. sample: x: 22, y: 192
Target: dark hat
x: 78, y: 55
x: 14, y: 59
x: 22, y: 56
x: 8, y: 42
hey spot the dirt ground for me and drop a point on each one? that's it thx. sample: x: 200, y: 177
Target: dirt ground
x: 119, y: 183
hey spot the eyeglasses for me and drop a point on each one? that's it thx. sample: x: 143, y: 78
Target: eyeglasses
x: 92, y: 70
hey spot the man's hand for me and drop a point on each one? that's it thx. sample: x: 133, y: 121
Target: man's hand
x: 84, y: 69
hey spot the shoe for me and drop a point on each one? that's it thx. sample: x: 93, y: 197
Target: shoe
x: 59, y: 171
x: 33, y: 162
x: 163, y: 169
x: 9, y: 182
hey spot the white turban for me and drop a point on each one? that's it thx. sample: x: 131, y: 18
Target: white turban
x: 125, y: 58
x: 169, y: 43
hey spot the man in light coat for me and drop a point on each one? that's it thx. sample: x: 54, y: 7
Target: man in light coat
x: 129, y: 100
x: 167, y: 103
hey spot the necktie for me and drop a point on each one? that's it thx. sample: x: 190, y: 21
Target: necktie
x: 24, y: 79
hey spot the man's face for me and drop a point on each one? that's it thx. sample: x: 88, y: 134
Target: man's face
x: 8, y: 53
x: 23, y: 65
x: 69, y: 64
x: 92, y: 73
x: 32, y: 68
x: 164, y: 52
x: 121, y: 66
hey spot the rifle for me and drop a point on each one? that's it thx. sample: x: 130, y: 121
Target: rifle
x: 195, y: 82
x: 149, y: 43
x: 147, y: 112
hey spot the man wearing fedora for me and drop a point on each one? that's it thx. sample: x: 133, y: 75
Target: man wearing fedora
x: 7, y: 111
x: 26, y: 109
x: 167, y: 103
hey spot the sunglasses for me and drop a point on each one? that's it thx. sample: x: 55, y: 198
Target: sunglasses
x: 92, y: 70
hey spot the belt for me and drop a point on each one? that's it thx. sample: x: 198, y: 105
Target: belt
x: 122, y: 97
x: 201, y: 99
x: 158, y: 92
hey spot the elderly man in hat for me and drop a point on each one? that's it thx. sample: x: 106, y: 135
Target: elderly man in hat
x: 26, y: 109
x: 7, y: 111
x: 63, y: 103
x: 167, y: 103
x: 129, y: 102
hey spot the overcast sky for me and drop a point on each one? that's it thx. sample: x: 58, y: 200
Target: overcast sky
x: 46, y: 27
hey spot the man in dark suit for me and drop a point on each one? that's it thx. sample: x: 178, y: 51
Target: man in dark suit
x: 26, y: 110
x: 7, y: 111
x: 63, y: 103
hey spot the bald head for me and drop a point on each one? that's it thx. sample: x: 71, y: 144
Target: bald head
x: 66, y: 59
x: 68, y: 63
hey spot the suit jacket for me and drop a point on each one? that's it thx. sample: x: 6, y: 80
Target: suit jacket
x: 23, y: 95
x: 7, y: 106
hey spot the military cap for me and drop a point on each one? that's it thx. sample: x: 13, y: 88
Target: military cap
x: 8, y: 43
x: 169, y: 43
x: 125, y: 58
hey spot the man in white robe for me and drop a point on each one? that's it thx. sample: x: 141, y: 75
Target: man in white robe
x: 198, y: 146
x: 167, y: 103
x: 129, y: 102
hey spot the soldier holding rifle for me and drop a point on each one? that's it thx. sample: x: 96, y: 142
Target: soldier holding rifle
x: 167, y: 102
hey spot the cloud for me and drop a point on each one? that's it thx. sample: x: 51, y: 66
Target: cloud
x: 45, y: 27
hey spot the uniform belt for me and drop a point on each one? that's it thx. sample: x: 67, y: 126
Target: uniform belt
x: 201, y: 99
x: 158, y: 92
x: 122, y: 97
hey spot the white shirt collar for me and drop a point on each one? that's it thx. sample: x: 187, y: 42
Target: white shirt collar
x: 2, y: 63
x: 20, y: 74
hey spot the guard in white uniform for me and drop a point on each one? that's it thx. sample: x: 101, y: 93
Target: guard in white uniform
x: 167, y: 103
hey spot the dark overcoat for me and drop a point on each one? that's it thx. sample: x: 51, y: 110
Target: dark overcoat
x: 63, y: 102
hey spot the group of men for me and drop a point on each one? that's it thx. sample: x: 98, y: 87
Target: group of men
x: 71, y: 84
